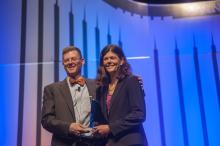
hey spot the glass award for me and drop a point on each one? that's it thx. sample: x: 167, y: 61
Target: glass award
x: 88, y: 131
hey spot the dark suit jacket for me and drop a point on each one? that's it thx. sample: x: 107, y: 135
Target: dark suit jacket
x: 58, y: 111
x: 127, y: 112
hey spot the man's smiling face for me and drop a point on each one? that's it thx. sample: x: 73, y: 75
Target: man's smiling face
x: 72, y: 63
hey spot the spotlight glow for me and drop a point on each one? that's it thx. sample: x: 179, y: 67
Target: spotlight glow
x: 138, y: 57
x: 198, y: 8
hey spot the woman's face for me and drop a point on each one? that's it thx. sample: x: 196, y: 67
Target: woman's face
x: 111, y: 62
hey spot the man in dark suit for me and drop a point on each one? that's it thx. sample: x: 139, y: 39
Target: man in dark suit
x: 66, y: 107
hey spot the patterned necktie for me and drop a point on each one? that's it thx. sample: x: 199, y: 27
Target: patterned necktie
x: 81, y: 81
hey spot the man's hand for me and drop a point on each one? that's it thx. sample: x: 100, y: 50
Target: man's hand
x: 77, y: 128
x: 103, y: 130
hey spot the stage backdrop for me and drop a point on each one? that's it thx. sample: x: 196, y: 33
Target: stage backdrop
x: 174, y: 48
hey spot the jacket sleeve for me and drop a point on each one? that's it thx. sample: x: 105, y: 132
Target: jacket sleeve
x: 137, y: 114
x: 48, y: 117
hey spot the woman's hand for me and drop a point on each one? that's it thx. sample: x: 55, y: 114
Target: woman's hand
x: 103, y: 130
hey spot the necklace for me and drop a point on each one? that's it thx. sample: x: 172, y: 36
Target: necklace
x: 111, y: 87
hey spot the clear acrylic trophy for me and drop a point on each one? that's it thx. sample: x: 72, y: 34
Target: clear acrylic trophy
x: 89, y: 133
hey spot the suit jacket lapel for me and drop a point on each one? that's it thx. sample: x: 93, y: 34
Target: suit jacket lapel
x: 105, y: 91
x: 115, y: 93
x: 90, y: 86
x: 67, y: 96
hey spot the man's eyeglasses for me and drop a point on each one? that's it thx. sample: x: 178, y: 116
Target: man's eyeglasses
x: 69, y: 60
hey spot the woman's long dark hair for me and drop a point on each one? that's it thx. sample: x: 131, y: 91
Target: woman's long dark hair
x: 124, y: 70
